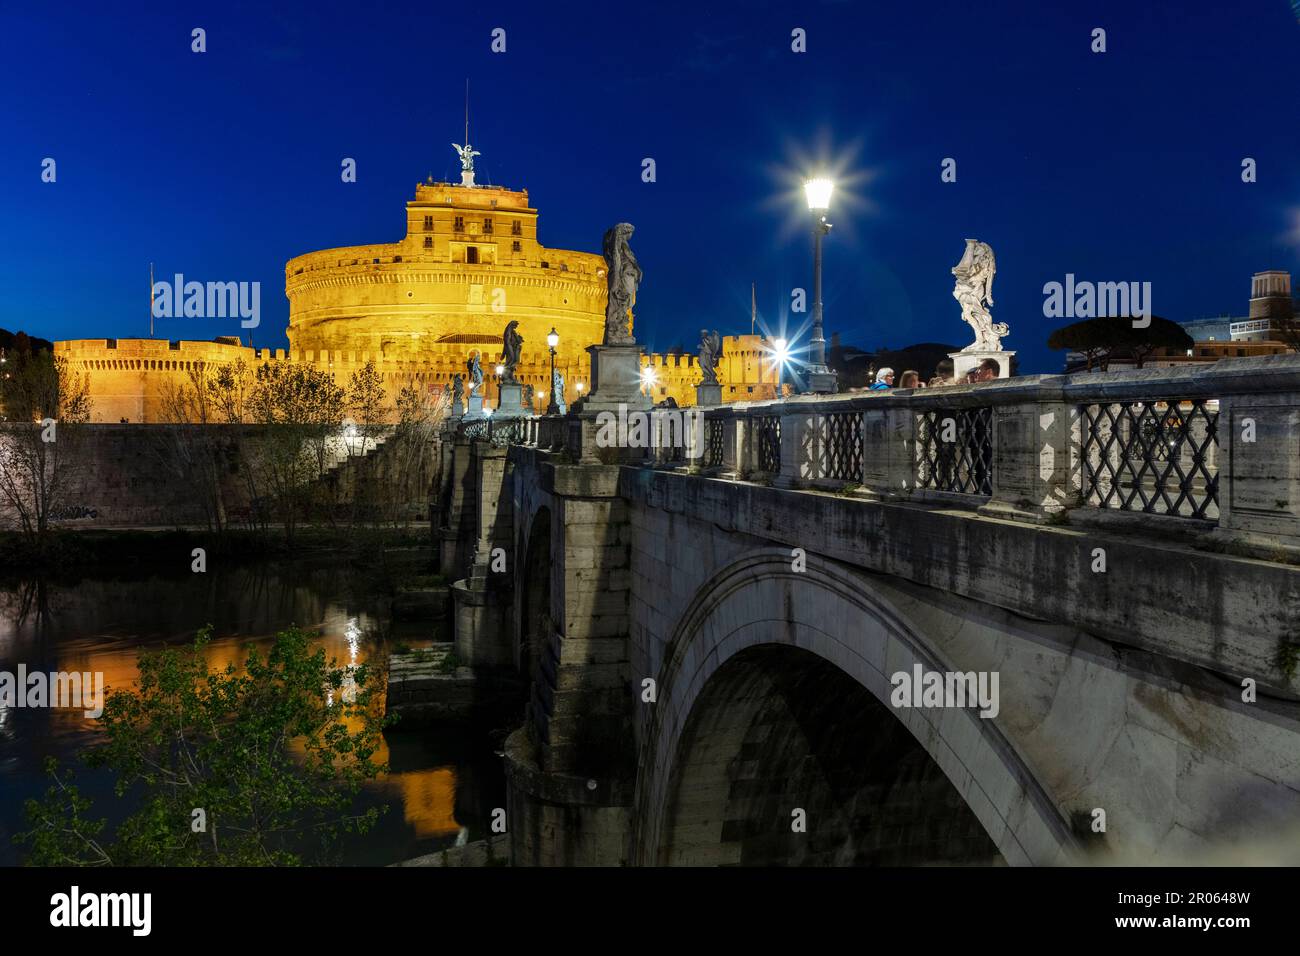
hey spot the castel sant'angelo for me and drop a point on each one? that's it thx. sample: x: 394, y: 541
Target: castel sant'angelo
x: 419, y: 308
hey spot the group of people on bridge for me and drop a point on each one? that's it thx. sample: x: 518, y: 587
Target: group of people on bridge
x: 986, y: 371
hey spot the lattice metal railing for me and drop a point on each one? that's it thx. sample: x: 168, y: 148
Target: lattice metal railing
x: 1157, y: 457
x: 767, y: 434
x: 509, y: 431
x: 714, y: 436
x: 954, y: 450
x: 841, y: 450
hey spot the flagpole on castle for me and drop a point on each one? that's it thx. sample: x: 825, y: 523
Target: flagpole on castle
x: 151, y: 300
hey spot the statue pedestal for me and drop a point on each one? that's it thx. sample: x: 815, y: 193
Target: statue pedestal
x: 822, y: 382
x: 707, y: 396
x: 457, y: 409
x: 615, y: 378
x: 963, y: 362
x: 511, y: 402
x: 475, y: 409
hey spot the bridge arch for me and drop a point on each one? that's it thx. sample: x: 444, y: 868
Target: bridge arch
x: 755, y: 655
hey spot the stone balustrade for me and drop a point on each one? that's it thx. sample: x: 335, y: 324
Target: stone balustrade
x: 1199, y: 449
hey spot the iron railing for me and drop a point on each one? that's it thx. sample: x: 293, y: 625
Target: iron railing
x: 842, y: 446
x: 768, y: 443
x: 1156, y: 457
x: 714, y: 438
x: 954, y: 450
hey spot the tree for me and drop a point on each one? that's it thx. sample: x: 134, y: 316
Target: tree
x: 1105, y: 338
x: 365, y: 399
x: 193, y: 449
x: 420, y: 414
x: 1088, y: 336
x: 1287, y: 327
x: 228, y: 390
x: 1159, y: 334
x: 301, y: 409
x: 44, y: 402
x: 258, y: 766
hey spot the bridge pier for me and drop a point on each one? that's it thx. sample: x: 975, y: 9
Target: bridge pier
x: 455, y: 518
x: 570, y: 768
x: 483, y: 597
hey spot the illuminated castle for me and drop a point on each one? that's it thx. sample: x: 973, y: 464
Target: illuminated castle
x: 419, y: 308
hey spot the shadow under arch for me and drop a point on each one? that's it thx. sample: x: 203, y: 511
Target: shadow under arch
x: 753, y: 614
x: 534, y: 622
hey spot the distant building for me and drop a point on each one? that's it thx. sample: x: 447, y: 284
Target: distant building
x: 1271, y: 308
x: 1247, y: 336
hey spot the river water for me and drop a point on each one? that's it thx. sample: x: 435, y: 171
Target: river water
x: 442, y: 785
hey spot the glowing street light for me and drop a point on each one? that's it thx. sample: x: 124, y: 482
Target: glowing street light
x: 552, y: 340
x: 501, y: 371
x: 818, y: 193
x: 780, y: 355
x: 648, y: 379
x: 579, y: 387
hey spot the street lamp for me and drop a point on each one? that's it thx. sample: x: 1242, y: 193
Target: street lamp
x: 552, y: 340
x: 501, y: 371
x: 648, y: 381
x: 780, y: 354
x: 818, y: 194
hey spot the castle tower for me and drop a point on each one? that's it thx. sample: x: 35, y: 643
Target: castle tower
x: 469, y: 263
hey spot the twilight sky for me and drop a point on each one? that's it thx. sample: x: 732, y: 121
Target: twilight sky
x: 1120, y: 166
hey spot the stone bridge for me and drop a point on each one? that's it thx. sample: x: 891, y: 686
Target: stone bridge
x: 710, y: 634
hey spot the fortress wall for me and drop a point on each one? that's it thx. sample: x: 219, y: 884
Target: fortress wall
x: 125, y: 476
x: 130, y: 377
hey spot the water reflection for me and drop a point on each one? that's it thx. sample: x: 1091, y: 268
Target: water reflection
x: 443, y: 784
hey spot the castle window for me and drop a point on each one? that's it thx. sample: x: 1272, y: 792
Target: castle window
x: 459, y: 224
x: 516, y: 228
x: 397, y: 258
x: 428, y: 224
x: 545, y: 264
x: 487, y: 226
x: 428, y: 242
x: 471, y: 254
x: 514, y: 246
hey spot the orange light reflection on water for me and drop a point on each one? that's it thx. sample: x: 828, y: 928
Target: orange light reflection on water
x: 427, y: 796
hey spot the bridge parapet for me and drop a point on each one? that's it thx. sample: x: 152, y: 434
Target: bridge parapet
x: 1211, y: 448
x: 1195, y: 449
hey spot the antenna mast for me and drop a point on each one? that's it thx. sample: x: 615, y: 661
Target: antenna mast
x: 151, y: 300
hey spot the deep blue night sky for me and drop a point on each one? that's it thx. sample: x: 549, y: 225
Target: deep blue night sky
x: 1117, y: 166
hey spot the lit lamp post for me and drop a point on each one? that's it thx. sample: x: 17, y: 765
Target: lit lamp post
x: 501, y: 371
x: 780, y: 353
x: 552, y: 340
x: 648, y: 381
x: 820, y: 378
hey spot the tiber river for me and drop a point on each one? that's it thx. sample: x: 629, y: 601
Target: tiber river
x: 443, y: 783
